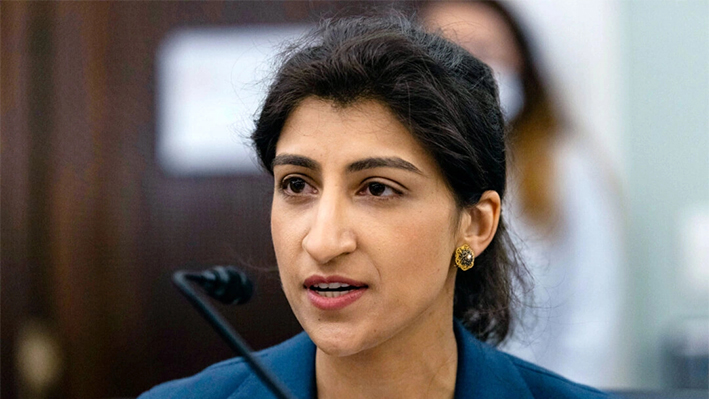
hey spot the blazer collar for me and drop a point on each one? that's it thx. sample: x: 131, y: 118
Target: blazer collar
x: 483, y: 372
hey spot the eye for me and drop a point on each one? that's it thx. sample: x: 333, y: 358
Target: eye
x: 378, y: 189
x: 296, y: 186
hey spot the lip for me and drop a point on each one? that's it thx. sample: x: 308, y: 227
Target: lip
x: 337, y: 303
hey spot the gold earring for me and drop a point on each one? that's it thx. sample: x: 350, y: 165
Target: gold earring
x: 464, y: 257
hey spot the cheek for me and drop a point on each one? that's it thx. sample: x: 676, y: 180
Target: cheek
x: 416, y: 249
x: 284, y: 234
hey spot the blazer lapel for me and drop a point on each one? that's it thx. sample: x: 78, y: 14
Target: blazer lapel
x: 485, y: 373
x: 293, y: 361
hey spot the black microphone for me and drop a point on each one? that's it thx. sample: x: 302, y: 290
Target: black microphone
x: 229, y: 285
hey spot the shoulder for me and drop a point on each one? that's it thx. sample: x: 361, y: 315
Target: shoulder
x: 222, y: 380
x: 486, y: 372
x: 216, y: 381
x: 543, y: 383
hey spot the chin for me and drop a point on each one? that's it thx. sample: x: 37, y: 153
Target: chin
x: 338, y: 341
x: 336, y: 348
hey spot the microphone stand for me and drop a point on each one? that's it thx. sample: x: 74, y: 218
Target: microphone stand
x: 180, y: 279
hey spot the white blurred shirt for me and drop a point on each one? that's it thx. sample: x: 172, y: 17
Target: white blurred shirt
x: 574, y: 325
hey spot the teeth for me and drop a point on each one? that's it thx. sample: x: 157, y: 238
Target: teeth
x: 331, y: 294
x: 332, y: 285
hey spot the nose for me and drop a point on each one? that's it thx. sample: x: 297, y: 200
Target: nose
x: 330, y: 233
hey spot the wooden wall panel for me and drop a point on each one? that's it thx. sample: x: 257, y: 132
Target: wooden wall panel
x: 14, y: 177
x: 80, y: 250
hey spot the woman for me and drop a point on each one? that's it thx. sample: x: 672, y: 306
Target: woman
x: 386, y: 144
x: 562, y: 206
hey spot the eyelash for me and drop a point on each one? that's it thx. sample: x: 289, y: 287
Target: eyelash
x: 368, y: 186
x: 284, y: 186
x: 285, y: 189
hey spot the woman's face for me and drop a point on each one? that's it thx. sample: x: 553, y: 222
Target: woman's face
x: 479, y: 29
x: 484, y: 32
x: 364, y: 227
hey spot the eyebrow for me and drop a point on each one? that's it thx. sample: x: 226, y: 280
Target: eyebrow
x: 393, y: 162
x: 357, y: 166
x: 297, y: 160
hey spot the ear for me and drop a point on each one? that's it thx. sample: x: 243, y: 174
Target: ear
x: 479, y: 222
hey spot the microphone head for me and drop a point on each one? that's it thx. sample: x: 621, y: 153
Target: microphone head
x: 227, y: 284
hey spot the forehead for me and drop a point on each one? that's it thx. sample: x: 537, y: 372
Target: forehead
x: 321, y: 130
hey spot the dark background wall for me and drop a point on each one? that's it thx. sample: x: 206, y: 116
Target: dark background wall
x: 91, y: 227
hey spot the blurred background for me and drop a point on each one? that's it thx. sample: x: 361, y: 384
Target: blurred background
x: 123, y: 158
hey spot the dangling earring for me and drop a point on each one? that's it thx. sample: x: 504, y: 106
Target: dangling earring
x: 464, y: 257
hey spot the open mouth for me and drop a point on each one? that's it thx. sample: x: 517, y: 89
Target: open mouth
x: 333, y: 290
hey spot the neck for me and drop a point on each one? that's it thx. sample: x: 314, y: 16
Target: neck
x: 410, y: 365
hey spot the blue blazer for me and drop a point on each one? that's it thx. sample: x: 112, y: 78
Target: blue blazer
x: 483, y: 373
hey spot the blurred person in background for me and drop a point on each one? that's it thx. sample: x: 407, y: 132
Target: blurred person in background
x: 562, y: 206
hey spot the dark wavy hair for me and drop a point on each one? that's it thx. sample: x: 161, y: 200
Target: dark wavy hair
x: 445, y: 97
